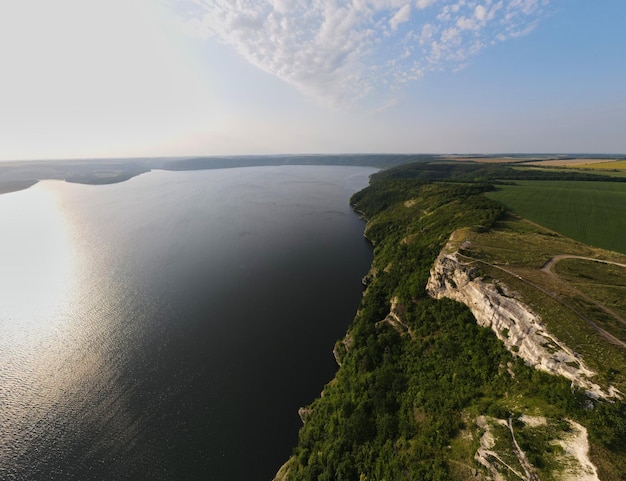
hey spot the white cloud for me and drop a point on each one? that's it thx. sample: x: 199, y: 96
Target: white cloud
x: 344, y: 50
x: 281, y: 6
x: 451, y: 36
x: 465, y: 23
x: 402, y: 16
x: 480, y: 13
x: 427, y: 33
x: 421, y: 4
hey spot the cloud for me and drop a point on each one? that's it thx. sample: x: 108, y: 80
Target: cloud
x: 403, y: 15
x: 480, y: 13
x: 421, y: 4
x: 343, y: 51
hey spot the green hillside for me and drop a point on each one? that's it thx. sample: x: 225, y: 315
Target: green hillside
x: 421, y: 388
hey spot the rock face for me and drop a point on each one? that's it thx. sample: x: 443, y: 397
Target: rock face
x: 515, y: 324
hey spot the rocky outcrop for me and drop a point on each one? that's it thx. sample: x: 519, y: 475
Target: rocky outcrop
x: 395, y: 319
x: 515, y: 324
x: 284, y: 471
x: 501, y: 455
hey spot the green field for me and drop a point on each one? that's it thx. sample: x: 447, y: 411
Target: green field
x: 591, y: 212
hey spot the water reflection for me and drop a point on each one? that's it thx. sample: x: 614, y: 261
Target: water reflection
x: 37, y: 265
x: 145, y: 325
x: 60, y: 381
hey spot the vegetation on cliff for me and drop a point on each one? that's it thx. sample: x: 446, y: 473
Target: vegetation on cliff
x: 416, y: 373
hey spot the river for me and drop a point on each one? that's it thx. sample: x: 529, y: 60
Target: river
x: 169, y: 327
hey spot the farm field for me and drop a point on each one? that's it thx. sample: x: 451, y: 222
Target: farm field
x: 582, y: 162
x: 590, y: 212
x: 583, y: 170
x: 608, y: 168
x: 611, y: 165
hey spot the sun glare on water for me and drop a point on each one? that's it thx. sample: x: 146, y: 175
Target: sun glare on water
x: 36, y: 264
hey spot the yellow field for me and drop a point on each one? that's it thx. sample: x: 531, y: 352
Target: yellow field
x: 578, y: 163
x: 583, y: 163
x: 611, y: 165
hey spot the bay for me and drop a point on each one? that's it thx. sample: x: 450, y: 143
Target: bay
x: 169, y: 327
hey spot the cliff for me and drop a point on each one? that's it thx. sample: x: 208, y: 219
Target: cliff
x: 520, y: 329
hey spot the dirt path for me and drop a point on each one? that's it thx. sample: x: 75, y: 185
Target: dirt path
x: 602, y: 332
x: 605, y: 334
x: 547, y: 267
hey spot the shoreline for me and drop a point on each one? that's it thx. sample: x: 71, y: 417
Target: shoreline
x: 7, y: 187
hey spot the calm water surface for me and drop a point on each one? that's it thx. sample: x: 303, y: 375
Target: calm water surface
x: 168, y: 327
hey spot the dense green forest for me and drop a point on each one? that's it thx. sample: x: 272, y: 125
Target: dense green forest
x: 403, y: 403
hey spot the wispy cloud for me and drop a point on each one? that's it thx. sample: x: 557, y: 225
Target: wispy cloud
x: 343, y: 51
x: 403, y: 15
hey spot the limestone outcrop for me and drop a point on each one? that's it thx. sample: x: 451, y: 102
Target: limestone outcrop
x: 516, y: 325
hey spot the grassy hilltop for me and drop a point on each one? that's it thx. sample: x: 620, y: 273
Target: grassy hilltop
x: 423, y: 392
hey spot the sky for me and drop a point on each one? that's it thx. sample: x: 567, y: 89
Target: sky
x: 153, y: 78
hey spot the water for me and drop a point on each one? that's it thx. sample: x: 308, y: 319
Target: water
x: 168, y: 327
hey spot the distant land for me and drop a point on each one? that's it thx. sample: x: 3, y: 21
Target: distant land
x: 18, y: 175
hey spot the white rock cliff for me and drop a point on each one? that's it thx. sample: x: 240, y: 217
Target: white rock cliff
x: 515, y: 324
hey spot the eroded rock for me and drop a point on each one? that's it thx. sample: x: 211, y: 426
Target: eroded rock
x: 514, y: 323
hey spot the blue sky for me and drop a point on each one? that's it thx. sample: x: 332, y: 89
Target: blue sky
x: 115, y: 78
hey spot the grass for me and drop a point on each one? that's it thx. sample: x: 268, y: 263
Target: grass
x: 585, y: 271
x: 590, y: 212
x: 611, y: 466
x: 604, y: 283
x: 520, y: 243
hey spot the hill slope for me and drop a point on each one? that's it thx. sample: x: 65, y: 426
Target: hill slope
x: 424, y: 392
